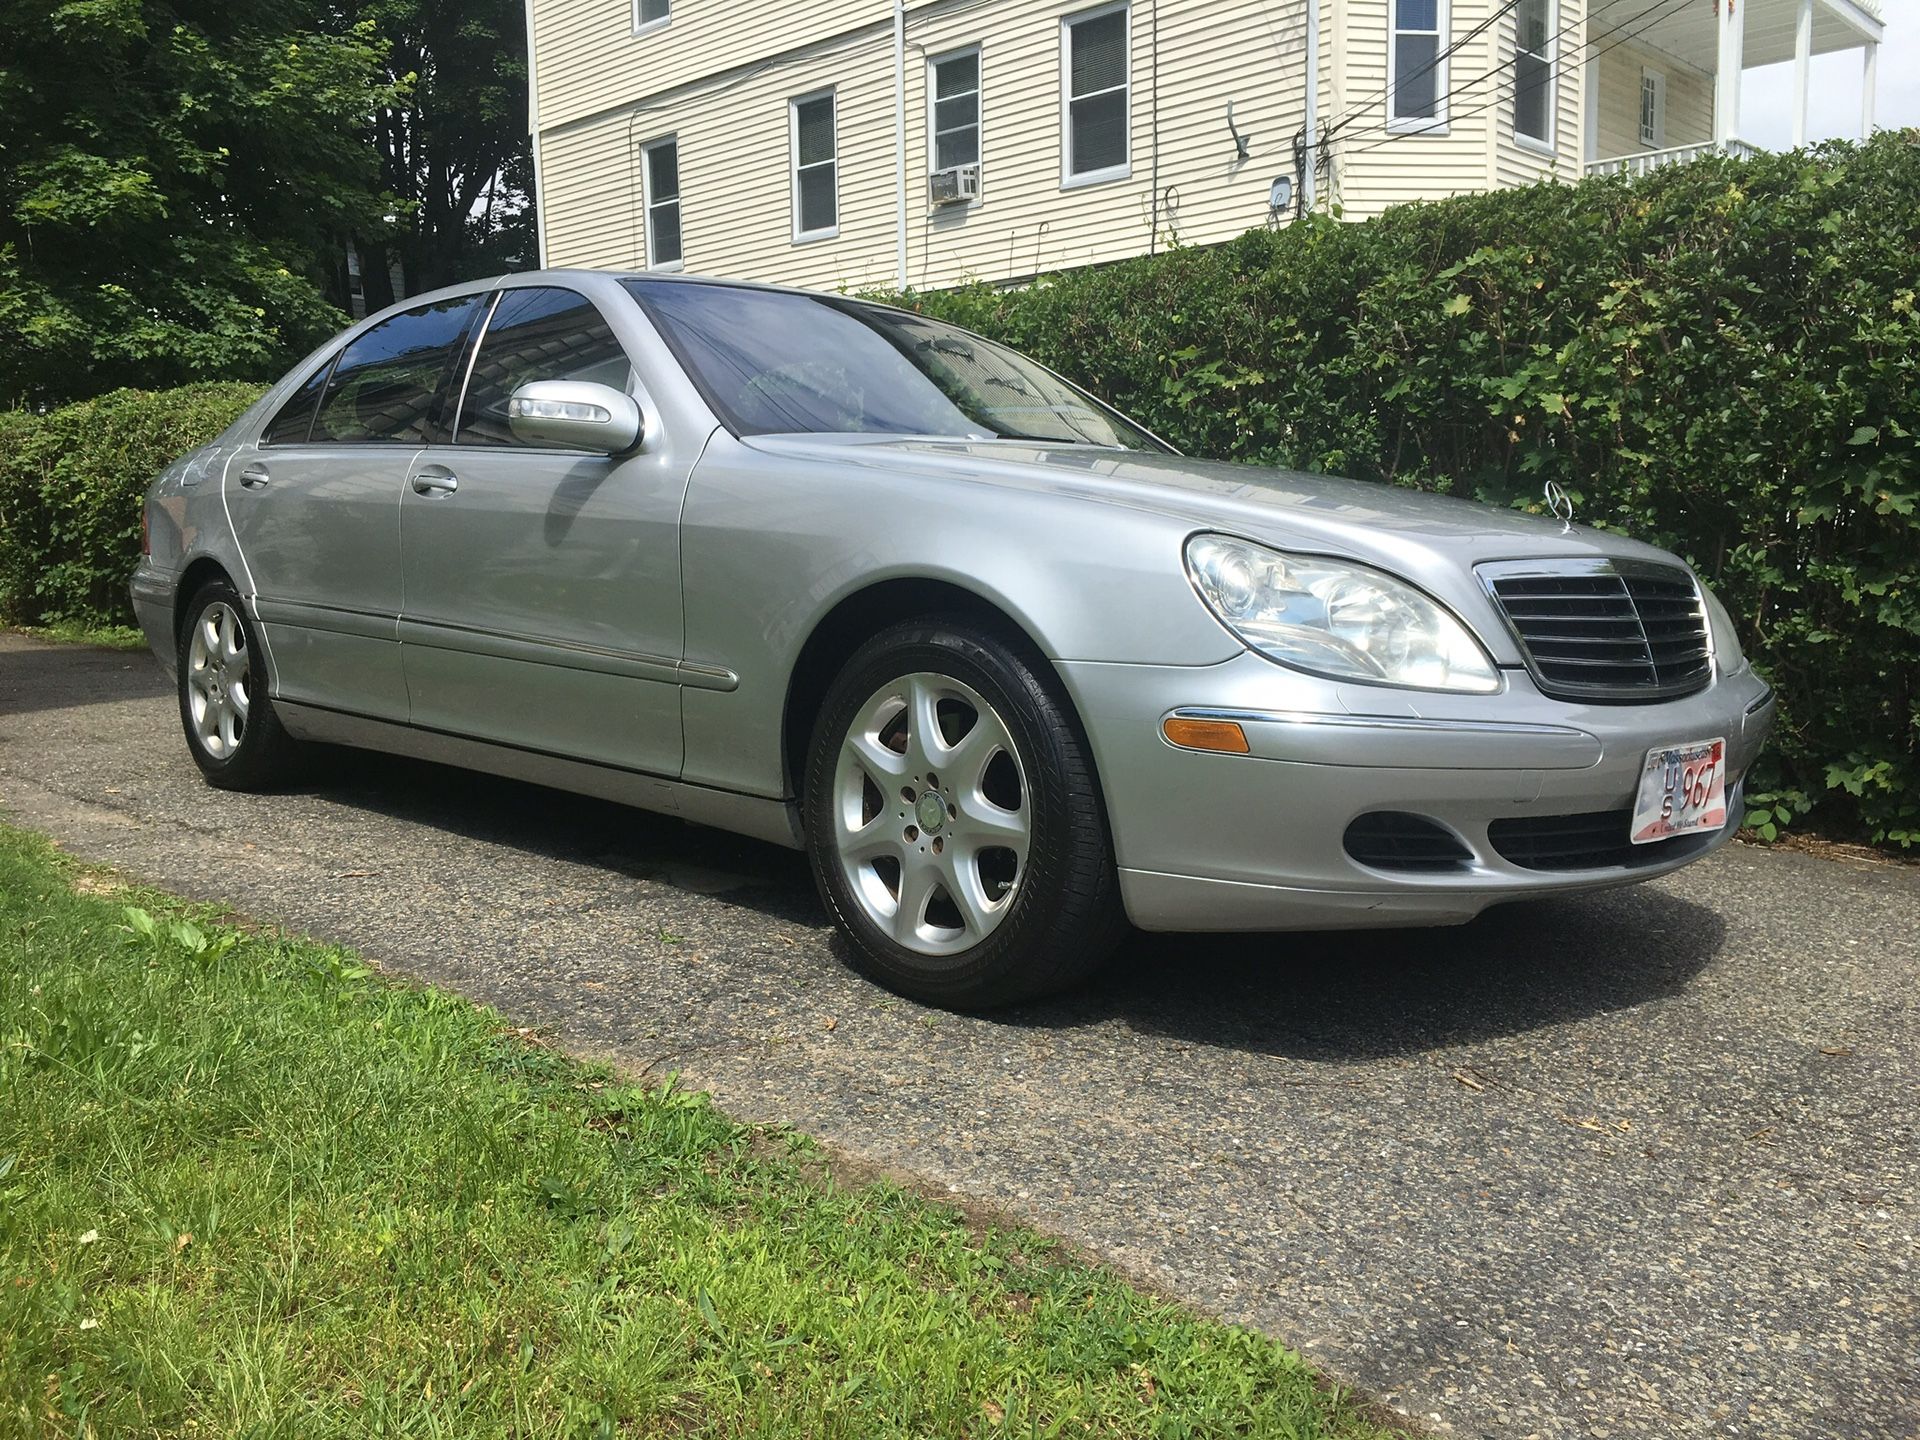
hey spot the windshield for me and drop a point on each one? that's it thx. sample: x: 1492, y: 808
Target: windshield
x: 774, y: 362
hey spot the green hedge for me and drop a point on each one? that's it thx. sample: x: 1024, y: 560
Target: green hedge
x: 1721, y: 358
x: 70, y: 486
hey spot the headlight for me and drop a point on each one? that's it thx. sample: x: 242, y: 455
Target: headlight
x: 1335, y: 618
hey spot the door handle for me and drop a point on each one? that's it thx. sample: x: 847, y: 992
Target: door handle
x: 254, y: 477
x: 435, y: 480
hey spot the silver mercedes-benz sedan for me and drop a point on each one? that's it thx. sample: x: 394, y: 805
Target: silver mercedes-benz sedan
x: 1011, y: 670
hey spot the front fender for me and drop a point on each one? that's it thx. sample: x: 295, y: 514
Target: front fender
x: 771, y: 544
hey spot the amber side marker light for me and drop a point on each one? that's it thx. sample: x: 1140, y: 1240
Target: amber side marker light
x: 1222, y: 735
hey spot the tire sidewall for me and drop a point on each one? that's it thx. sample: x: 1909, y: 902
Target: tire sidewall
x: 1033, y: 718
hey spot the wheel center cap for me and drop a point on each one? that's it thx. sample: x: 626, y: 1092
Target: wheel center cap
x: 931, y: 811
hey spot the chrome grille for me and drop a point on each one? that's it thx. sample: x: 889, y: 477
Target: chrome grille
x: 1609, y: 630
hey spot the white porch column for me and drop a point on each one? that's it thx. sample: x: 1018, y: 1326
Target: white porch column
x: 1726, y: 79
x: 1869, y: 66
x: 1802, y: 58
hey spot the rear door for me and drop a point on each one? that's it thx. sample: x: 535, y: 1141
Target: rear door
x: 543, y: 586
x: 315, y: 504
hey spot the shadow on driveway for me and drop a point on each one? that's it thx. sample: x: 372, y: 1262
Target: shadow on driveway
x: 1329, y: 997
x: 1362, y: 995
x: 60, y: 677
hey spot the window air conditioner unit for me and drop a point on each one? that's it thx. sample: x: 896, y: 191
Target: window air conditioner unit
x: 955, y: 185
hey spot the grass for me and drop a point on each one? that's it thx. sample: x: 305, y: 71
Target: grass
x: 247, y: 1187
x: 112, y: 637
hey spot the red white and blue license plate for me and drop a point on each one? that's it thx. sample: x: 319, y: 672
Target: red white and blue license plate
x: 1682, y: 790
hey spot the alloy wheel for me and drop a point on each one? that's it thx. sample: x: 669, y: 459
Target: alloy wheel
x: 930, y: 814
x: 219, y: 681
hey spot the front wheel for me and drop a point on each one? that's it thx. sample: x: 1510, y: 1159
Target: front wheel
x: 954, y: 821
x: 232, y: 731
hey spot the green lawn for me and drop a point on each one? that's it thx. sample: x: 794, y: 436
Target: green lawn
x: 247, y: 1187
x: 113, y: 637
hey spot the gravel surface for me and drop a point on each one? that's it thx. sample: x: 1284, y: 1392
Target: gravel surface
x: 1635, y: 1164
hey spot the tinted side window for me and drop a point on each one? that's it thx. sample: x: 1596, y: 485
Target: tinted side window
x: 387, y: 381
x: 295, y: 418
x: 535, y: 334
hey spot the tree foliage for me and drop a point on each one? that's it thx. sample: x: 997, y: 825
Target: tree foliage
x: 1723, y: 358
x: 452, y: 145
x: 179, y: 179
x: 173, y: 175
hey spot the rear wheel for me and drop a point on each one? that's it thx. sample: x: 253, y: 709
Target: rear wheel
x: 954, y: 823
x: 232, y: 731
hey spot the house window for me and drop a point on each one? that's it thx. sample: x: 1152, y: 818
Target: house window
x: 1533, y: 72
x: 1653, y: 110
x: 647, y: 14
x: 1417, y: 66
x: 1094, y: 85
x: 955, y: 122
x: 816, y: 171
x: 660, y: 172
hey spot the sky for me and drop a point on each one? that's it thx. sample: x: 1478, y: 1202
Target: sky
x: 1833, y: 106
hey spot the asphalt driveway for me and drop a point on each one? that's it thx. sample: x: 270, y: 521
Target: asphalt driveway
x: 1643, y: 1163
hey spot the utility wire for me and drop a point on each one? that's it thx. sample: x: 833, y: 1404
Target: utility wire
x: 1667, y: 7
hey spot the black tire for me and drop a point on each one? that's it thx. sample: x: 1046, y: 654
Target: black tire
x: 1064, y: 916
x: 262, y: 756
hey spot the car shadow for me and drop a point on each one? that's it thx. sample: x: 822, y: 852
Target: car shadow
x: 577, y: 829
x: 1349, y: 996
x: 1365, y: 995
x: 35, y: 676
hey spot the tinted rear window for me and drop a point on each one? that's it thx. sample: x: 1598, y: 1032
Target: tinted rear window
x: 386, y: 386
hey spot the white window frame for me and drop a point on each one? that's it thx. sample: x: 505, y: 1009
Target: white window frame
x: 1420, y: 124
x: 828, y: 232
x: 647, y: 202
x: 1068, y: 179
x: 1550, y: 145
x: 934, y: 62
x: 1658, y: 141
x: 649, y: 27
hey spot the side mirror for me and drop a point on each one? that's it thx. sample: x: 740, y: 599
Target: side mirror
x: 575, y: 415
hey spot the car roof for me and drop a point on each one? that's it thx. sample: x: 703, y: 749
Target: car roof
x: 520, y: 278
x: 670, y: 277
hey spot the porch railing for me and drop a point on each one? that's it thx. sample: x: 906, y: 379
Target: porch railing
x: 1650, y: 160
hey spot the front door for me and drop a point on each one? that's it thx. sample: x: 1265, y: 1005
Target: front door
x: 542, y: 604
x: 315, y: 503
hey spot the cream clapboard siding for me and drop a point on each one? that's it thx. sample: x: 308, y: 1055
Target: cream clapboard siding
x: 723, y: 94
x: 1373, y: 166
x: 1026, y: 220
x: 1518, y: 162
x: 590, y: 60
x: 736, y: 181
x: 1689, y: 101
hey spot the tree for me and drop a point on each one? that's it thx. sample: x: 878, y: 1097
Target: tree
x: 453, y: 146
x: 176, y: 180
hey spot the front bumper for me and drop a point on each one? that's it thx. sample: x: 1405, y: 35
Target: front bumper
x: 1209, y: 841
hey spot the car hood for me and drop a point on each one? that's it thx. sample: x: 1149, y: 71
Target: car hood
x: 1409, y: 531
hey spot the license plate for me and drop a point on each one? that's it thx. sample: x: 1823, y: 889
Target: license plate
x: 1682, y: 789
